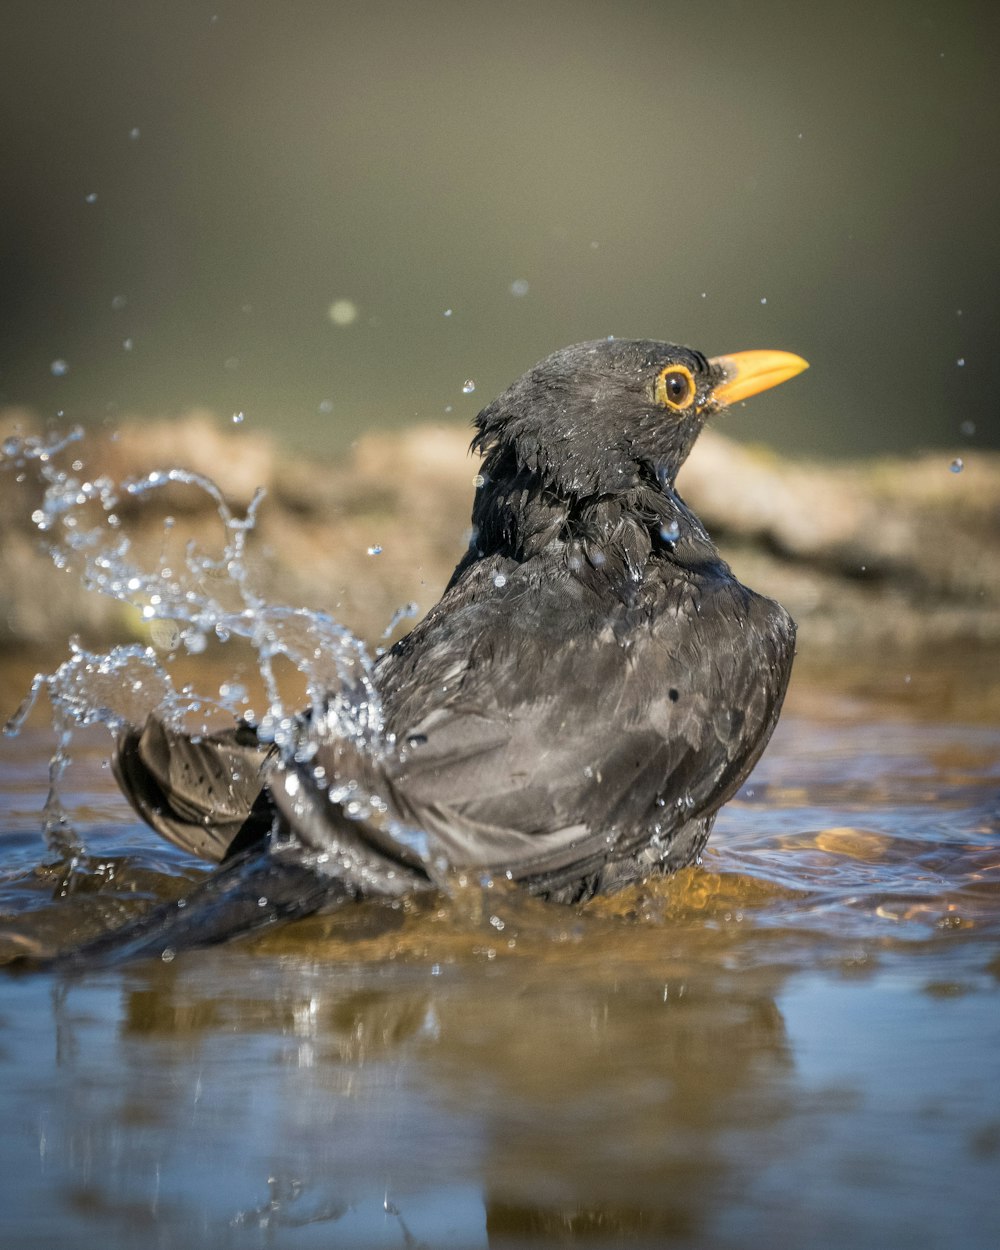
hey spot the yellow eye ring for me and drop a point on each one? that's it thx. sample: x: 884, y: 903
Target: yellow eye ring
x: 675, y: 387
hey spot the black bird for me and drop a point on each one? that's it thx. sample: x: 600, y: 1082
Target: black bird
x: 592, y: 686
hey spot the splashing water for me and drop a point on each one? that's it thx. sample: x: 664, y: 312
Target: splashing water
x: 201, y: 597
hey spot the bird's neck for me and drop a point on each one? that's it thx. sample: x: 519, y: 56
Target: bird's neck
x: 613, y: 537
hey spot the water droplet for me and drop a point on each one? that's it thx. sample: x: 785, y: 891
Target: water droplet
x: 704, y: 295
x: 91, y: 198
x: 128, y: 344
x: 343, y: 312
x: 968, y: 428
x: 519, y: 287
x: 375, y: 550
x: 195, y: 642
x: 957, y: 465
x: 447, y: 312
x: 479, y: 480
x: 238, y: 418
x: 670, y: 531
x: 763, y: 299
x: 119, y: 302
x: 500, y: 581
x: 468, y: 386
x: 960, y: 362
x: 167, y: 955
x: 59, y: 368
x: 326, y: 406
x: 134, y: 133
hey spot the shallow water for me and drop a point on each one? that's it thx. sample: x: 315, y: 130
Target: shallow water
x: 797, y: 1043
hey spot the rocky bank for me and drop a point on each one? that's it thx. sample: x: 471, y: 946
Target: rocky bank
x: 894, y: 553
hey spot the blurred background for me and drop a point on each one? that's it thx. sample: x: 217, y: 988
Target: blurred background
x: 331, y: 217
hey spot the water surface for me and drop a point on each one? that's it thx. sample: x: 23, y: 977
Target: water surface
x: 796, y: 1043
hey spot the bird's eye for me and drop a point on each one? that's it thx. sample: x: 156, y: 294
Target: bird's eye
x: 675, y: 387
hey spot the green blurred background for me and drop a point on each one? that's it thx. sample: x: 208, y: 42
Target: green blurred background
x: 190, y: 188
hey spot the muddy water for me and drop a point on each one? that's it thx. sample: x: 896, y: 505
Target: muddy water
x: 796, y: 1044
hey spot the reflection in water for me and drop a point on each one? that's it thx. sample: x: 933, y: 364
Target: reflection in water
x: 649, y: 1087
x: 538, y: 1098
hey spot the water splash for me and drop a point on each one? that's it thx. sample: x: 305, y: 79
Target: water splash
x: 405, y: 613
x: 115, y: 688
x: 199, y: 597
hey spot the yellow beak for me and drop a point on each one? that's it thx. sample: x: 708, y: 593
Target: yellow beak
x: 749, y: 373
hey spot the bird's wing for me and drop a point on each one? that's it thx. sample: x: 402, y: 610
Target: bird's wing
x: 199, y: 793
x: 538, y: 751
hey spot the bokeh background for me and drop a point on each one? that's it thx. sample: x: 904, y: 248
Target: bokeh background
x: 329, y: 216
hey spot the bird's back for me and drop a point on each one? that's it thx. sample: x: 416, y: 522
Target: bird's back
x: 545, y: 726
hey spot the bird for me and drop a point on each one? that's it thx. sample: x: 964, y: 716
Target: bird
x: 592, y: 686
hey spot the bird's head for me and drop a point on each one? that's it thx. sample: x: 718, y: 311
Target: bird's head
x: 598, y: 418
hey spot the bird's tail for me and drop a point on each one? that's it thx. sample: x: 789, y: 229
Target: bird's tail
x: 253, y: 890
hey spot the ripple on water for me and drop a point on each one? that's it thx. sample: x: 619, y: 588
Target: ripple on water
x: 781, y: 864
